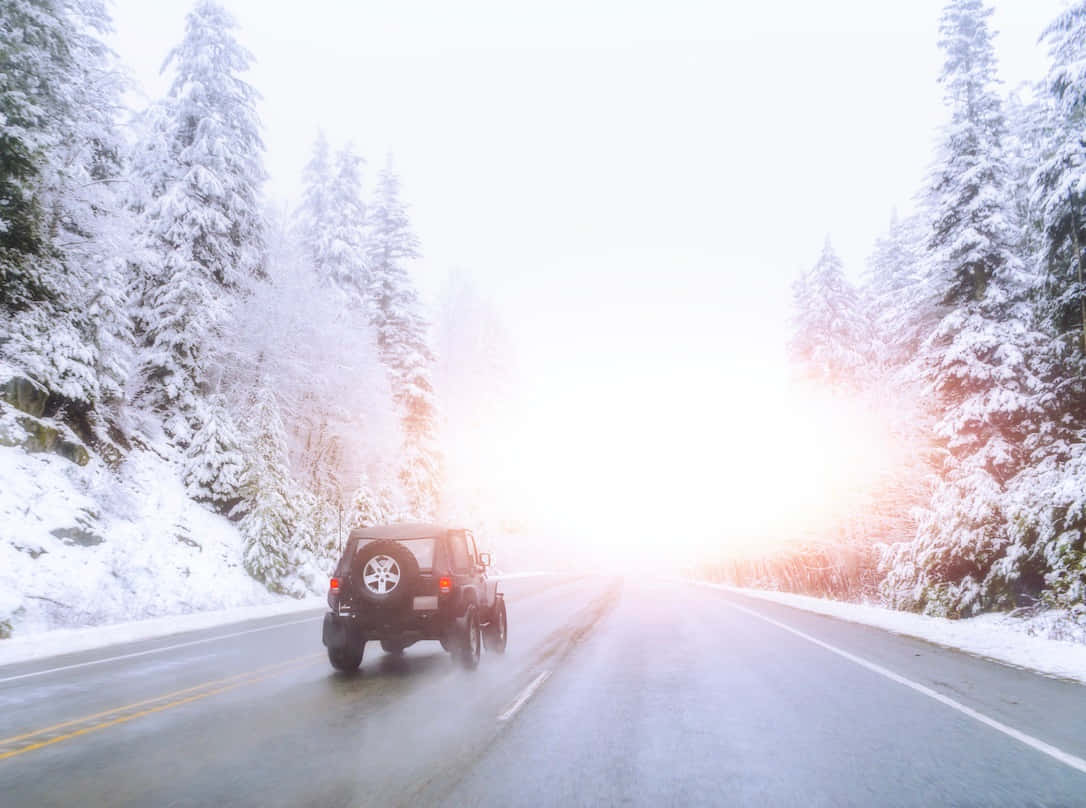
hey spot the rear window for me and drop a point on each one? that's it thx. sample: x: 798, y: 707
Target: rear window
x: 422, y: 549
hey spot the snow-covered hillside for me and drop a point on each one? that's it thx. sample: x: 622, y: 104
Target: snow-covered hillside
x: 199, y: 394
x: 84, y: 545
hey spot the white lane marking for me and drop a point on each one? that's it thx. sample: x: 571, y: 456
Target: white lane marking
x: 524, y: 696
x: 1035, y: 743
x: 157, y: 650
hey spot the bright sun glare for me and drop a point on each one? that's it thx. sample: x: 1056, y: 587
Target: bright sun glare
x: 719, y: 473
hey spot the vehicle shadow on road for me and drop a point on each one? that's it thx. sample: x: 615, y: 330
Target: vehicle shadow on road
x: 392, y: 666
x: 408, y: 664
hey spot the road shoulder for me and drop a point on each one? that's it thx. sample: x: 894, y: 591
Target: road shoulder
x: 989, y: 636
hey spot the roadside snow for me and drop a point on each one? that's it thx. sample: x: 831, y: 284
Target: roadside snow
x: 71, y: 640
x: 88, y: 546
x: 994, y: 636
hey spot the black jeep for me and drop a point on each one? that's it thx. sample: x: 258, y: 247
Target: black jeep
x: 403, y: 583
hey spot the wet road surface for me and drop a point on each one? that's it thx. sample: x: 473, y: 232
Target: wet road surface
x: 611, y: 693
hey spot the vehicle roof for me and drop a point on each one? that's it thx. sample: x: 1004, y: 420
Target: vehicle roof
x: 403, y: 530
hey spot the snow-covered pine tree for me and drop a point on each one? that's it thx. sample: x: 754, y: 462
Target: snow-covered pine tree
x: 315, y: 210
x: 402, y: 342
x: 331, y: 230
x: 344, y: 265
x: 36, y: 70
x: 831, y: 334
x: 269, y: 522
x: 975, y: 363
x: 218, y: 144
x: 1052, y: 135
x: 332, y: 222
x: 98, y: 231
x: 420, y: 462
x: 311, y: 533
x: 902, y: 306
x: 367, y: 509
x: 1060, y: 181
x: 1028, y: 124
x: 203, y: 226
x: 65, y: 234
x: 320, y: 358
x: 1045, y: 507
x: 214, y: 463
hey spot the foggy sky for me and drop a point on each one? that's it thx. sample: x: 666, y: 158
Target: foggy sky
x: 634, y: 184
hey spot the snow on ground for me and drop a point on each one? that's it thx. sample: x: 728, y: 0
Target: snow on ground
x: 87, y: 546
x: 71, y: 640
x: 1006, y: 639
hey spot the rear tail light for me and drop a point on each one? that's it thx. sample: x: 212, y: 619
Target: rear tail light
x: 333, y: 585
x: 444, y: 584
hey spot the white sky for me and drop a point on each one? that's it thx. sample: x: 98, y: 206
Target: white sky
x: 635, y: 184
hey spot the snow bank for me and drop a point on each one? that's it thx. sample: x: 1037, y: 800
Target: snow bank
x: 71, y: 640
x: 994, y: 636
x: 87, y: 545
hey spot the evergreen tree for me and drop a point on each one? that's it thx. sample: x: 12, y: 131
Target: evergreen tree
x: 315, y: 210
x: 269, y: 521
x: 332, y: 221
x: 1054, y: 233
x: 203, y: 224
x: 98, y: 234
x: 1060, y: 181
x: 367, y: 508
x: 401, y: 342
x: 319, y: 356
x: 37, y: 65
x: 65, y: 235
x: 344, y: 266
x: 976, y: 361
x: 1045, y: 509
x: 1028, y: 123
x: 831, y: 333
x: 903, y: 308
x: 972, y: 236
x: 214, y: 464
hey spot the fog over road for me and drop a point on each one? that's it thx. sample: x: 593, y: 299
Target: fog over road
x: 612, y: 692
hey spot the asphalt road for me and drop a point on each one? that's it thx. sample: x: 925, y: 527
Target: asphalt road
x: 612, y: 692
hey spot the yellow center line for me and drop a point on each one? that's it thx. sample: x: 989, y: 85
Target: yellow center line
x: 6, y: 741
x: 229, y: 683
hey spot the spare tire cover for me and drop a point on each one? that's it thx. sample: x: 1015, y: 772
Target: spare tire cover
x: 385, y: 573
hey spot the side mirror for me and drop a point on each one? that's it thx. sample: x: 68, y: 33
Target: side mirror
x: 484, y: 559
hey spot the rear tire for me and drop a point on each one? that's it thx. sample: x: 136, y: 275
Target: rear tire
x: 470, y: 640
x: 348, y: 658
x: 391, y: 647
x: 496, y: 633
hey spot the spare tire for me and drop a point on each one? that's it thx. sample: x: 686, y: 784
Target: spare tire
x: 385, y: 573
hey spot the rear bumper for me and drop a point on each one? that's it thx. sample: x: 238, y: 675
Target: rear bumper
x: 340, y: 630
